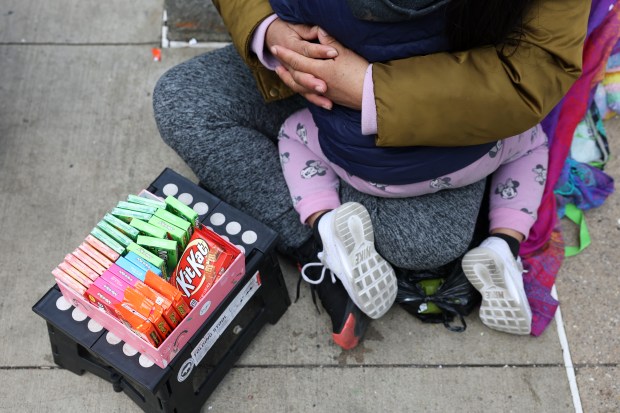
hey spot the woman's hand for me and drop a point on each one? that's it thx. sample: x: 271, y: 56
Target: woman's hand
x: 299, y: 39
x: 343, y: 75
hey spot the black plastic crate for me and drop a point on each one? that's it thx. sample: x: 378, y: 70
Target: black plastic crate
x: 240, y: 229
x: 185, y: 384
x: 71, y: 336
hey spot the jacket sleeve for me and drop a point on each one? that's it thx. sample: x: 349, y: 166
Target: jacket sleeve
x: 484, y: 94
x: 241, y: 18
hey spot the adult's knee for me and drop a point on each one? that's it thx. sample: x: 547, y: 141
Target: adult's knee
x: 167, y: 101
x: 422, y: 232
x: 188, y: 99
x: 166, y: 89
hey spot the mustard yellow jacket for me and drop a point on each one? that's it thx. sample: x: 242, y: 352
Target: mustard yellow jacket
x: 453, y: 99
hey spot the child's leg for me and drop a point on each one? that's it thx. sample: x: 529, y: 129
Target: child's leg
x: 518, y: 184
x: 314, y: 188
x: 345, y: 232
x: 311, y: 181
x: 494, y: 267
x: 347, y: 235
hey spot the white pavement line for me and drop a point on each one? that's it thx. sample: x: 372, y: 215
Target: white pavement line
x: 194, y: 44
x: 568, y: 361
x: 164, y: 30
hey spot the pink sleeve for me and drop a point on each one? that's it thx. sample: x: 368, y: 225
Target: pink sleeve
x: 258, y: 44
x: 369, y: 108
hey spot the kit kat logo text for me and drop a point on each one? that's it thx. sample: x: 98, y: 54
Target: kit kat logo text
x: 191, y: 267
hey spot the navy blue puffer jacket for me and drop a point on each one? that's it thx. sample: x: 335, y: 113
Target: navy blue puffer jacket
x: 340, y: 129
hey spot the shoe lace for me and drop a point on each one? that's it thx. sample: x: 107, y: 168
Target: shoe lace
x: 317, y: 264
x: 313, y: 283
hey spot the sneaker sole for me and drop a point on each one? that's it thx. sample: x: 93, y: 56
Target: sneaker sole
x: 372, y: 286
x: 352, y: 331
x: 499, y: 310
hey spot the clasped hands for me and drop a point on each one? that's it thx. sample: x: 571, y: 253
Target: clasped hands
x: 324, y: 73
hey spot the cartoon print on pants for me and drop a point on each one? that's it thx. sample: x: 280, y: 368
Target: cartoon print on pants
x: 534, y: 135
x: 284, y: 158
x: 282, y: 134
x: 302, y: 133
x: 527, y: 211
x: 541, y: 174
x: 495, y: 149
x: 441, y: 183
x: 313, y: 168
x: 378, y: 186
x: 507, y: 190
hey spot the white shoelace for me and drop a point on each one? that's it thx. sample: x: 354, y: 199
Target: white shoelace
x: 316, y: 264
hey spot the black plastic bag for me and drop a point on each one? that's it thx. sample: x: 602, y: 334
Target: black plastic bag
x: 438, y: 295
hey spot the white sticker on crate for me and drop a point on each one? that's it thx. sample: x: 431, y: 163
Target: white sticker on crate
x: 217, y: 219
x: 94, y: 326
x: 170, y: 189
x: 185, y: 370
x: 145, y: 361
x: 112, y: 339
x: 201, y: 208
x: 129, y: 350
x: 78, y: 315
x: 233, y: 228
x: 225, y: 319
x: 186, y: 198
x: 62, y: 304
x: 249, y: 237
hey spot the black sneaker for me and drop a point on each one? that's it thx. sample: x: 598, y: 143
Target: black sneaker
x: 349, y: 323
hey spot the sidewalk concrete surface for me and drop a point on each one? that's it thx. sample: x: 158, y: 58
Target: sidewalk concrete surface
x: 77, y: 134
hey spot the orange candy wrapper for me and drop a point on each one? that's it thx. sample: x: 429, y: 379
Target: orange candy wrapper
x: 148, y: 309
x: 170, y: 315
x: 162, y: 287
x: 139, y: 324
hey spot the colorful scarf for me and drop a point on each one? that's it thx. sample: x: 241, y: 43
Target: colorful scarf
x: 543, y: 252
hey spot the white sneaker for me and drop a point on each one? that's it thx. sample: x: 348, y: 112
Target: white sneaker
x: 349, y: 253
x: 493, y: 271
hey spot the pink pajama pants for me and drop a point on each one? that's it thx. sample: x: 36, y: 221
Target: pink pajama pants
x: 518, y: 165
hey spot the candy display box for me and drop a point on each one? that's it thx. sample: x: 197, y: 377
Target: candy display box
x: 163, y: 354
x: 186, y: 368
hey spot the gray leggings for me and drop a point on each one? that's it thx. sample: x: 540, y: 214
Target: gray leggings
x: 210, y: 112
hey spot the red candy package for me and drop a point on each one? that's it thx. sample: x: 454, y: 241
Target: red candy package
x: 204, y: 260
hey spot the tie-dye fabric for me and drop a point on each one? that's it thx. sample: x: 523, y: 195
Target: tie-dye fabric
x: 543, y: 252
x: 582, y: 185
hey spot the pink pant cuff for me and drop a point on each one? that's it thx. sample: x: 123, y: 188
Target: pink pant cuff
x: 512, y: 219
x: 317, y: 202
